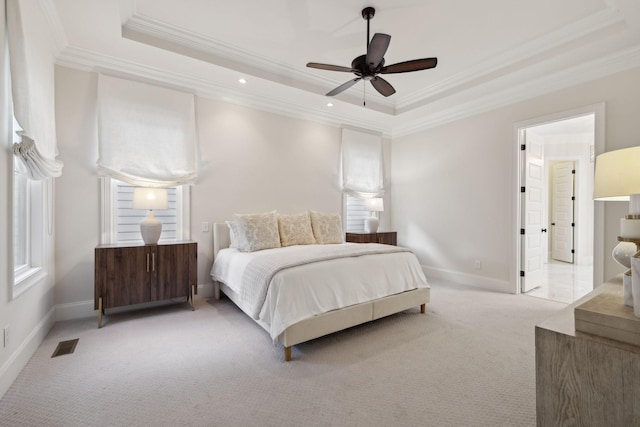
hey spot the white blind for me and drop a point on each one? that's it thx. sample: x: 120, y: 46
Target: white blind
x: 146, y: 133
x: 32, y: 85
x: 355, y: 214
x: 362, y: 164
x: 128, y: 219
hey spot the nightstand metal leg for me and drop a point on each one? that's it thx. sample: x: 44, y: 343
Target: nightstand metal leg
x: 423, y: 308
x: 99, y: 312
x: 193, y: 308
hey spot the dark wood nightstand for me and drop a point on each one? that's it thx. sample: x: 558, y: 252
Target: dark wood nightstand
x: 386, y: 238
x: 127, y: 274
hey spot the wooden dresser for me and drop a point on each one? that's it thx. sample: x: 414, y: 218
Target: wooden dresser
x: 135, y: 274
x: 584, y: 379
x: 387, y: 238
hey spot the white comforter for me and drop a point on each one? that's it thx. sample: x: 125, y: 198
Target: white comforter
x: 280, y: 287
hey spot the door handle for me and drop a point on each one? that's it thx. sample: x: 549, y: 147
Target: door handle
x: 544, y: 230
x: 553, y: 223
x: 153, y: 261
x: 147, y: 263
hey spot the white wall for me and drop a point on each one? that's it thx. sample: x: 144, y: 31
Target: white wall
x: 30, y: 315
x: 251, y: 161
x: 453, y: 185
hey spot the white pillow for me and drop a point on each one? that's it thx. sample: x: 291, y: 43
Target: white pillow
x: 295, y: 229
x: 234, y: 237
x: 327, y: 227
x: 257, y: 231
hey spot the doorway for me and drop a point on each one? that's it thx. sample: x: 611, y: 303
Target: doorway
x: 556, y: 206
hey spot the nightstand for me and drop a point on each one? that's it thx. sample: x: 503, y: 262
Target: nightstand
x: 128, y: 274
x: 386, y: 238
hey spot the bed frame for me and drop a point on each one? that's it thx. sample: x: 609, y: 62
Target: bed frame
x: 332, y: 321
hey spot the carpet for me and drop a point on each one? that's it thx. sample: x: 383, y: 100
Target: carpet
x: 469, y: 361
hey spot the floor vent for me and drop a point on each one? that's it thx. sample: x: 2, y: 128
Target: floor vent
x: 65, y: 347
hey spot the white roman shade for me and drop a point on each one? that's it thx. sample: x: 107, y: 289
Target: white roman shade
x: 31, y: 61
x: 147, y: 133
x: 362, y: 164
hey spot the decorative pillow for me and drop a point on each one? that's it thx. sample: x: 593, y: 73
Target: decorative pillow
x: 257, y: 231
x: 295, y: 229
x: 327, y: 227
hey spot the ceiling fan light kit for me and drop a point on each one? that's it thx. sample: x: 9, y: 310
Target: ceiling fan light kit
x: 367, y: 67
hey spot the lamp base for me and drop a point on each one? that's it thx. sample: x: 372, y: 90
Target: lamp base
x: 150, y: 228
x: 371, y: 225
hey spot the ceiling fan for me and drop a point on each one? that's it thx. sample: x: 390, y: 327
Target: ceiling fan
x: 368, y: 66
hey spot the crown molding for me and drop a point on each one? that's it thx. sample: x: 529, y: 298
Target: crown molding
x: 598, y: 68
x: 87, y: 60
x: 229, y: 55
x: 491, y: 67
x: 83, y: 59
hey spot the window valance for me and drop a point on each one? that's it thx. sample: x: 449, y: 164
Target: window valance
x: 362, y: 164
x: 146, y: 133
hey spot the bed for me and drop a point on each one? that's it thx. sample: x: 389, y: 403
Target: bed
x: 306, y: 299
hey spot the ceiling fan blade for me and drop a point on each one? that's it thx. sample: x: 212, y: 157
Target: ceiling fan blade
x: 377, y: 48
x: 344, y: 86
x: 413, y: 65
x: 329, y: 67
x: 382, y: 86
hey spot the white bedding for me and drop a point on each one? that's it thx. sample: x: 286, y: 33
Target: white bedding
x: 295, y: 293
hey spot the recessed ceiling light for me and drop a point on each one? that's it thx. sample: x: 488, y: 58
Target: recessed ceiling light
x: 329, y: 104
x: 242, y: 80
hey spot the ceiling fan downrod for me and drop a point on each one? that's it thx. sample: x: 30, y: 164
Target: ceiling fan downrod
x: 368, y: 13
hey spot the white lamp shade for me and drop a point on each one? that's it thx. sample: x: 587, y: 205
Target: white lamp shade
x: 617, y: 174
x: 150, y: 198
x: 374, y: 205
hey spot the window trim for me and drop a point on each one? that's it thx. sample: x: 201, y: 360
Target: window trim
x: 27, y: 277
x: 108, y: 220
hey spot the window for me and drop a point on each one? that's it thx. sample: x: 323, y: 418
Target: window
x: 362, y: 174
x: 27, y: 215
x: 121, y: 224
x: 354, y: 214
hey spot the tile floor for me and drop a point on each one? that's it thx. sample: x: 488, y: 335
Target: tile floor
x: 564, y: 282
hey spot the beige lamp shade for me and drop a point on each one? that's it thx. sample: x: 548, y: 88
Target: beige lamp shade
x: 150, y: 198
x: 617, y: 174
x: 374, y: 205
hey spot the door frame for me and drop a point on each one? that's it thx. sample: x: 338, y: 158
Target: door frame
x: 598, y: 110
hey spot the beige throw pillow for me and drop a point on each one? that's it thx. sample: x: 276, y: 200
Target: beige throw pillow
x: 327, y: 227
x: 257, y: 231
x: 295, y: 229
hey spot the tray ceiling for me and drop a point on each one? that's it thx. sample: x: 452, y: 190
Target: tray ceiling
x: 490, y: 53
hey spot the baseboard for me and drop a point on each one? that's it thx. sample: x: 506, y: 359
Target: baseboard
x: 468, y: 279
x: 206, y: 290
x: 19, y: 359
x: 75, y: 310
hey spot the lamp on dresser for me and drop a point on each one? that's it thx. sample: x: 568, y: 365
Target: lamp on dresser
x: 373, y: 205
x: 150, y: 198
x: 617, y: 178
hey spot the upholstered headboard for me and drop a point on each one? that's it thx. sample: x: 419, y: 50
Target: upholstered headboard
x: 221, y: 239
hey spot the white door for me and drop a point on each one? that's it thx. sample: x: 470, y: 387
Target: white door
x: 562, y: 206
x: 532, y: 209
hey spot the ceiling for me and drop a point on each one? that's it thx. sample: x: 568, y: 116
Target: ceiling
x: 490, y: 53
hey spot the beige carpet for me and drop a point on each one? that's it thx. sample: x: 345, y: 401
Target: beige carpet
x: 468, y: 362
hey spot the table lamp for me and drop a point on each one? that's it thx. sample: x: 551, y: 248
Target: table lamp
x: 373, y: 205
x: 150, y: 198
x: 617, y: 178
